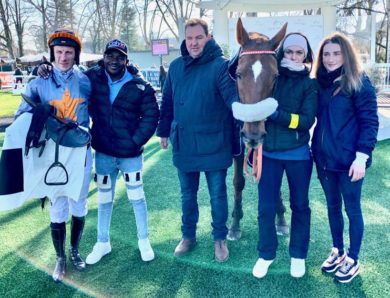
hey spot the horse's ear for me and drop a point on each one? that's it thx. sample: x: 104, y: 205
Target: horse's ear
x: 241, y: 35
x: 275, y: 41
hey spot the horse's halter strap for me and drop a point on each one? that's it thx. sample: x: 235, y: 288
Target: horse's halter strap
x: 257, y: 52
x: 258, y: 152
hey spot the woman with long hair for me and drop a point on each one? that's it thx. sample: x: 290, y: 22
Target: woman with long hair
x: 343, y: 141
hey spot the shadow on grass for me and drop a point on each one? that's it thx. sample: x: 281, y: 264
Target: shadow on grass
x: 123, y: 274
x: 6, y: 217
x: 32, y: 263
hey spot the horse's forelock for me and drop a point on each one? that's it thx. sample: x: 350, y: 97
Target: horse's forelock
x: 257, y: 41
x: 258, y: 37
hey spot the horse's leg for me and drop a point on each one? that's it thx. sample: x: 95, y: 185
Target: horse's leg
x: 239, y: 184
x: 282, y: 227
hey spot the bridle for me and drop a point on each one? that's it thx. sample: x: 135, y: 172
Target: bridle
x: 258, y: 52
x: 244, y: 53
x: 256, y: 153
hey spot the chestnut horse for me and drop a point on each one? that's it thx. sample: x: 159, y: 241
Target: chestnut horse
x: 256, y: 73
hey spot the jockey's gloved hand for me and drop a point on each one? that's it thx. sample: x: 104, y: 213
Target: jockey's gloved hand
x: 40, y: 114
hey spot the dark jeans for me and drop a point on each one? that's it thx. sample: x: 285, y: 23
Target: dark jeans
x: 298, y: 175
x: 337, y: 187
x: 189, y: 184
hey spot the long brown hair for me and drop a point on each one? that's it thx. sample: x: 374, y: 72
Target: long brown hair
x: 351, y: 79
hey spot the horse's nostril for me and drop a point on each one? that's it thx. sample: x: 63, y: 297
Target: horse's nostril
x: 252, y: 143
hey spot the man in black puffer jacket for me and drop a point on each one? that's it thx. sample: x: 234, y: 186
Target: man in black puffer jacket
x: 124, y: 113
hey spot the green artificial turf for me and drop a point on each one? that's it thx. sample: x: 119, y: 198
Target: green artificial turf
x: 27, y: 256
x: 8, y: 103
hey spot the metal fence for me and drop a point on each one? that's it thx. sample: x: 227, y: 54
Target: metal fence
x: 379, y: 74
x: 16, y: 84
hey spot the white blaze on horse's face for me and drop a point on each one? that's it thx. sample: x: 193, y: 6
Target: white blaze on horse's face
x: 256, y: 68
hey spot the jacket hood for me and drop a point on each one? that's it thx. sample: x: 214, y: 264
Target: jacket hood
x: 211, y: 51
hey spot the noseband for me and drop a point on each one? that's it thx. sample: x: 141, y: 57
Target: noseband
x: 244, y: 53
x: 257, y: 52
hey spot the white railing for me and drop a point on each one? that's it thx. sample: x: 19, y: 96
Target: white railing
x: 16, y: 84
x: 379, y: 74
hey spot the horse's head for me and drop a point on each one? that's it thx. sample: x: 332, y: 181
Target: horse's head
x: 256, y: 72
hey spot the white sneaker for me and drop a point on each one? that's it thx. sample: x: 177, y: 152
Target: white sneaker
x: 261, y: 268
x: 146, y: 250
x: 100, y: 249
x: 297, y: 268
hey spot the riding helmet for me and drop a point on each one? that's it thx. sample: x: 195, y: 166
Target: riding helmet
x: 65, y: 37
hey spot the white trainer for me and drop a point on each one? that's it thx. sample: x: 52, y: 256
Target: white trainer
x: 297, y: 268
x: 100, y: 249
x: 261, y: 268
x: 146, y: 250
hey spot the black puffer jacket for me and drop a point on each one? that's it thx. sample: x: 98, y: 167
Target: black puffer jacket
x: 122, y: 128
x: 297, y: 94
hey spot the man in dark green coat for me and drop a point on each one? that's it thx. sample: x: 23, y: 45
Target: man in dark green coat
x: 196, y: 115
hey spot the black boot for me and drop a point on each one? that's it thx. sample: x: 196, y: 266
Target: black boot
x: 58, y: 235
x: 77, y: 228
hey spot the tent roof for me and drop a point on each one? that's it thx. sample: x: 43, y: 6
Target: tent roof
x: 84, y: 57
x: 265, y: 6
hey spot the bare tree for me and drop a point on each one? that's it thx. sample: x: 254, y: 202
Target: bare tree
x: 19, y: 13
x: 59, y: 14
x: 179, y: 11
x: 85, y: 17
x: 41, y: 30
x: 108, y: 14
x: 6, y: 37
x: 387, y: 31
x: 127, y: 31
x: 147, y: 11
x: 367, y: 7
x: 102, y: 20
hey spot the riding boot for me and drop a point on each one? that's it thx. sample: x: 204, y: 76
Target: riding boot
x: 58, y: 235
x: 77, y: 227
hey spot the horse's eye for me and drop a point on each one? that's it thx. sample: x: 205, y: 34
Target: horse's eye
x: 238, y: 75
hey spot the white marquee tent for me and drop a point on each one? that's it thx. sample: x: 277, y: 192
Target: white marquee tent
x: 84, y: 57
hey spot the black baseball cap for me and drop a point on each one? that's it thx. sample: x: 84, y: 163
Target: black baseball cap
x: 117, y: 45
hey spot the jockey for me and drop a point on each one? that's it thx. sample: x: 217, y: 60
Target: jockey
x: 66, y: 94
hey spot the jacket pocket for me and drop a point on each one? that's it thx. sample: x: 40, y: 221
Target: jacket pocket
x: 174, y: 137
x: 209, y: 140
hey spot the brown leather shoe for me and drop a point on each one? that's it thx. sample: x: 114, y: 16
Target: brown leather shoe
x: 184, y: 246
x: 221, y: 250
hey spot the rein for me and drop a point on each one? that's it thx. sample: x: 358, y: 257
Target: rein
x: 257, y: 161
